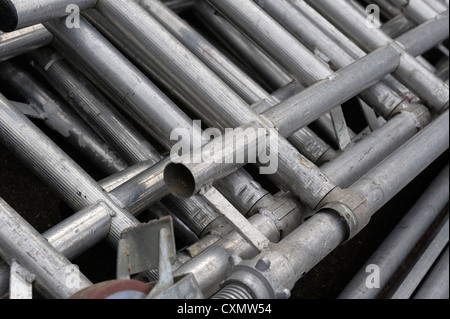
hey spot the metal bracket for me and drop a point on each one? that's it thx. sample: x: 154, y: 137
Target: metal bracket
x: 369, y: 115
x: 140, y: 248
x: 340, y: 127
x: 239, y: 222
x: 21, y: 282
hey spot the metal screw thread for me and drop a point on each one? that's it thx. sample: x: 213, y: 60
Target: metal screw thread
x: 232, y: 291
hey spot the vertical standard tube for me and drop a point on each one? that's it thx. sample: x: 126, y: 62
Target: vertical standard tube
x: 396, y: 247
x: 23, y: 243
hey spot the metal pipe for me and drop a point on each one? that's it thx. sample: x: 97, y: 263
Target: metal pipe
x: 213, y: 161
x: 273, y: 273
x: 210, y: 275
x: 397, y: 26
x: 396, y: 247
x: 432, y: 32
x: 148, y: 187
x: 72, y: 236
x: 409, y: 284
x: 311, y: 35
x: 238, y: 80
x: 410, y: 72
x: 268, y: 34
x: 359, y: 158
x: 223, y: 107
x: 67, y: 179
x: 436, y: 286
x: 179, y: 5
x: 421, y: 150
x: 20, y: 241
x: 197, y: 176
x: 59, y: 117
x: 242, y: 46
x: 417, y: 10
x: 302, y: 109
x: 16, y: 43
x: 18, y: 14
x: 101, y: 115
x: 129, y: 84
x: 233, y: 76
x: 92, y: 106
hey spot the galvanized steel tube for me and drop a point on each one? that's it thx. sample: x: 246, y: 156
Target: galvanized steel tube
x: 16, y: 43
x: 395, y: 248
x: 410, y: 72
x: 20, y: 241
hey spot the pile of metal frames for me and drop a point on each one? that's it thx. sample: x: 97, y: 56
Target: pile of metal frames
x: 120, y: 76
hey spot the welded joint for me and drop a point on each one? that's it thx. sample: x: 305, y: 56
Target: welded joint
x: 350, y: 206
x: 419, y: 113
x: 284, y: 211
x: 256, y: 278
x: 110, y: 210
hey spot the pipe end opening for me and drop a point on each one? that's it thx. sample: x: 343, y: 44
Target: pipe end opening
x: 179, y: 180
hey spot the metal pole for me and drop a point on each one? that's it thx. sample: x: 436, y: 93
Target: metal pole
x: 273, y: 273
x: 20, y: 241
x: 60, y: 117
x: 242, y: 47
x: 395, y: 248
x: 224, y: 107
x: 417, y: 10
x: 423, y: 83
x: 409, y: 284
x: 92, y: 106
x: 312, y: 36
x: 54, y: 166
x: 17, y: 14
